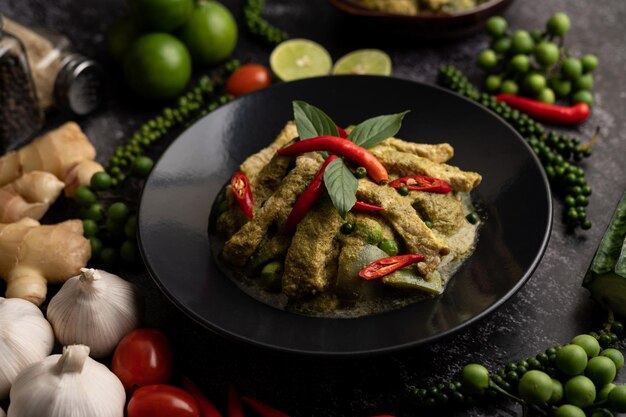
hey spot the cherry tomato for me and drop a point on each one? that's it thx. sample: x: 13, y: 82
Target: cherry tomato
x: 143, y: 357
x: 162, y: 401
x: 248, y: 78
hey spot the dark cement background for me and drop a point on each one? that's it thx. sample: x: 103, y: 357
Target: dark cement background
x: 551, y: 308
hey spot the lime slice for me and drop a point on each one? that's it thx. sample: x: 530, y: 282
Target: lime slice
x: 300, y: 58
x: 364, y: 61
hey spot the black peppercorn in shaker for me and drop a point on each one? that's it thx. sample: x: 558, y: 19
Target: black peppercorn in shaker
x: 63, y: 78
x: 20, y: 113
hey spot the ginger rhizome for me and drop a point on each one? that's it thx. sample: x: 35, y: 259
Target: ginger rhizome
x: 29, y: 196
x: 33, y: 255
x: 64, y: 152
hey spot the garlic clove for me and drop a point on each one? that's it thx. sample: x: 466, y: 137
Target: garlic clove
x: 96, y: 309
x: 25, y: 338
x: 2, y: 413
x: 71, y: 384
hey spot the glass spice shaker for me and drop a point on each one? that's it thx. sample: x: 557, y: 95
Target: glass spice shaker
x: 20, y: 113
x: 63, y: 78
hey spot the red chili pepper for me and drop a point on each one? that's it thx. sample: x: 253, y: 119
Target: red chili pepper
x: 207, y: 409
x: 386, y: 266
x: 243, y: 193
x: 235, y: 408
x: 306, y: 200
x: 262, y: 409
x: 361, y: 206
x: 343, y: 147
x: 342, y: 133
x: 422, y: 183
x: 550, y: 113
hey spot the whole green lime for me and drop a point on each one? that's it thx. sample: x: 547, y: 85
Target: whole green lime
x: 162, y: 15
x: 120, y: 36
x: 157, y: 66
x: 210, y: 33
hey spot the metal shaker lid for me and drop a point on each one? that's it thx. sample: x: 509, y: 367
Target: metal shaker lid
x: 78, y: 85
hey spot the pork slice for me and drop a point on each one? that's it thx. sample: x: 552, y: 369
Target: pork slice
x: 269, y: 178
x: 253, y: 165
x: 445, y: 211
x: 246, y: 240
x: 418, y: 238
x: 404, y: 164
x: 311, y: 262
x: 439, y: 152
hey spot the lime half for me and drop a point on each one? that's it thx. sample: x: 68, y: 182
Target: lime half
x: 300, y: 58
x: 364, y: 61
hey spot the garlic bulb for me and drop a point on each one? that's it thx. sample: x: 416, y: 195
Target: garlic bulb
x: 25, y: 338
x: 96, y: 309
x: 71, y: 384
x: 2, y: 413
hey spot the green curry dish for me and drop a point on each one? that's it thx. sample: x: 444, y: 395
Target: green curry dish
x: 415, y: 7
x: 315, y: 267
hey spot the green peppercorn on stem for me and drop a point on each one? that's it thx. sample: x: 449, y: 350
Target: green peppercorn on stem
x: 112, y: 231
x: 190, y: 106
x: 504, y: 381
x: 260, y: 28
x: 556, y: 152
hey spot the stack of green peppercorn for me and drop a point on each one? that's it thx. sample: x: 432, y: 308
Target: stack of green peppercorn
x: 534, y: 65
x: 259, y: 27
x: 556, y: 151
x: 111, y: 230
x: 193, y: 105
x: 571, y: 379
x: 111, y: 227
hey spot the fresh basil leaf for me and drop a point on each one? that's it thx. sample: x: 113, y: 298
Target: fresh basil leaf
x: 312, y: 122
x: 374, y: 130
x: 341, y: 185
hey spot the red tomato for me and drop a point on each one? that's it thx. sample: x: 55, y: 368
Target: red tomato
x: 248, y: 78
x: 143, y: 357
x: 162, y: 401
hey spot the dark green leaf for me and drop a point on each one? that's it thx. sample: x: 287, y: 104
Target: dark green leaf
x: 374, y: 130
x: 312, y: 122
x: 341, y: 185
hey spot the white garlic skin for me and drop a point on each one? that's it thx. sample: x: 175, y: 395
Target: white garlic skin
x: 71, y: 384
x: 25, y: 338
x: 96, y: 309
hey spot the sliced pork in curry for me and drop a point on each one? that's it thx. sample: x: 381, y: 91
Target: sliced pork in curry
x: 403, y: 163
x: 319, y: 261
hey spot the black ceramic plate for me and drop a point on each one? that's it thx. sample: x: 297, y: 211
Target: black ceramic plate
x: 177, y: 200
